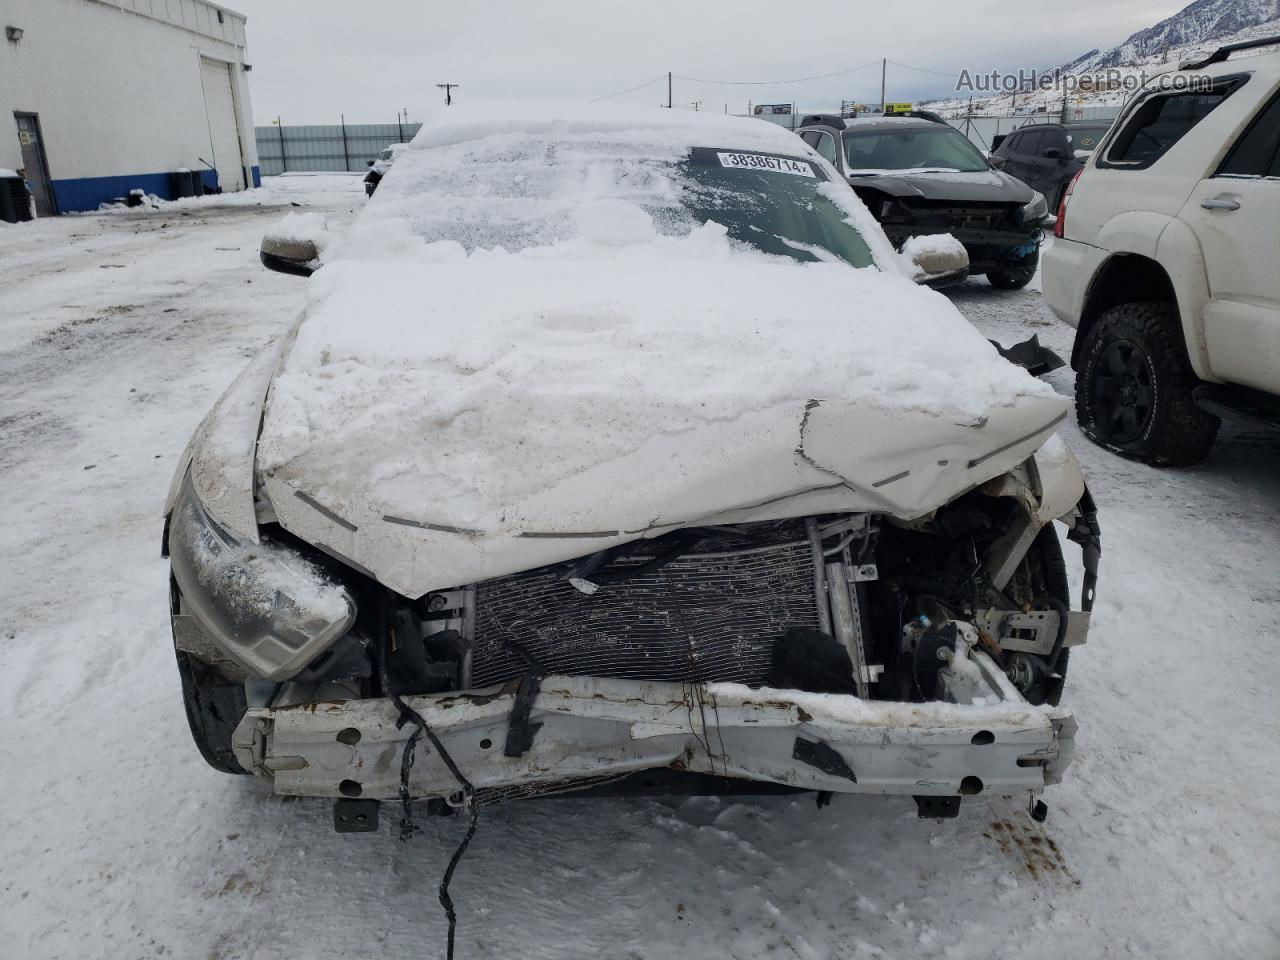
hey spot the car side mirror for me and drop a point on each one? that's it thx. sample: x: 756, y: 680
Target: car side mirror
x: 1053, y: 153
x: 369, y: 163
x: 997, y: 161
x: 936, y: 260
x: 289, y: 255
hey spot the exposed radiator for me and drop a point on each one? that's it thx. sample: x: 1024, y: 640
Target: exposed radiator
x: 703, y: 617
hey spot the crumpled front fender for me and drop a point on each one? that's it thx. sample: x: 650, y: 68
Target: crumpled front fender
x: 220, y: 454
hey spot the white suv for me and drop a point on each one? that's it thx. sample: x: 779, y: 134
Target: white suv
x: 1167, y: 261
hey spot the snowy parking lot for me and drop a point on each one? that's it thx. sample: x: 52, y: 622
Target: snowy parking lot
x: 119, y: 330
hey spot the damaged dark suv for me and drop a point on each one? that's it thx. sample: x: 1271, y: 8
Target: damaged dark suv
x: 919, y: 175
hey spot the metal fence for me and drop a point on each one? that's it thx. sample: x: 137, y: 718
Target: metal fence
x: 326, y: 148
x: 982, y: 128
x: 350, y: 146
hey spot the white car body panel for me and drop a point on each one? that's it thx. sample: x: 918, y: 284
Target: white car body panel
x: 863, y: 460
x: 1241, y: 326
x: 1220, y: 262
x: 221, y: 453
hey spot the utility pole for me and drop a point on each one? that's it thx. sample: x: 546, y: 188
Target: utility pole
x: 695, y: 104
x: 284, y: 160
x: 448, y: 92
x: 668, y: 89
x: 884, y: 69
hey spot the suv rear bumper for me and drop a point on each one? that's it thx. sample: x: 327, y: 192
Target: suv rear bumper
x: 1065, y: 268
x: 590, y: 727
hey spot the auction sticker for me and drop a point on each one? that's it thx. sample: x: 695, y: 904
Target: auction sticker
x: 756, y: 161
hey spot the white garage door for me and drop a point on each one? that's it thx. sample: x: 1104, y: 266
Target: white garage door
x: 224, y: 131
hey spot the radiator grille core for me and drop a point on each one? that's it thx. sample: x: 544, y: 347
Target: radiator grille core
x: 702, y: 617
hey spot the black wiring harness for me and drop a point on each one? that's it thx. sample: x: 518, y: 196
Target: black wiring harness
x: 408, y: 827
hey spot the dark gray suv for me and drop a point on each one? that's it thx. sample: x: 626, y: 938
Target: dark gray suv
x: 919, y: 175
x: 1046, y: 156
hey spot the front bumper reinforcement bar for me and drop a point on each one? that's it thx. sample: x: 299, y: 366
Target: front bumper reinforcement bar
x: 592, y: 726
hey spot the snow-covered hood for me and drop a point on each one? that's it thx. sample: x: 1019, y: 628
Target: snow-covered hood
x: 440, y: 423
x: 991, y: 186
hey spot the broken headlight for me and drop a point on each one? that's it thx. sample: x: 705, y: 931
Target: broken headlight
x: 267, y: 606
x: 1036, y: 211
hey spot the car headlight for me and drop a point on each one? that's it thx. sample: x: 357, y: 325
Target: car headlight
x: 1037, y: 210
x: 268, y: 607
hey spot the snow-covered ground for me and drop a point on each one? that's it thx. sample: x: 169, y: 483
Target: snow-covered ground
x: 117, y: 332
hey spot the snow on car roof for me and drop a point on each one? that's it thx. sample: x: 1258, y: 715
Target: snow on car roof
x: 679, y: 128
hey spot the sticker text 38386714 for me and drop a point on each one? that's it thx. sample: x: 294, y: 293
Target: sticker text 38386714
x: 756, y: 161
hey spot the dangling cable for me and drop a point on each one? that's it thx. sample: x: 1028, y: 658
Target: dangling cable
x: 407, y: 826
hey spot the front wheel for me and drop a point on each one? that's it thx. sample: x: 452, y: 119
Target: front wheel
x: 1014, y: 273
x: 1134, y: 388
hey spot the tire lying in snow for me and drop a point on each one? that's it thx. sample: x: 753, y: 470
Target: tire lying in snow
x: 1133, y: 391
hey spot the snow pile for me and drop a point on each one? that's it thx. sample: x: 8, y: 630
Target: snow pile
x: 290, y: 189
x: 303, y: 228
x: 932, y: 253
x: 456, y: 389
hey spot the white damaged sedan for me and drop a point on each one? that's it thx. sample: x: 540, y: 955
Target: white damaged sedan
x: 619, y: 452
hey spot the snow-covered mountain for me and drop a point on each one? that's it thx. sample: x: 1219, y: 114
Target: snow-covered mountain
x: 1190, y: 34
x: 1197, y: 23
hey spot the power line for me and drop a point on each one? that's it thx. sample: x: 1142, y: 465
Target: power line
x: 639, y: 86
x: 769, y: 83
x: 938, y: 73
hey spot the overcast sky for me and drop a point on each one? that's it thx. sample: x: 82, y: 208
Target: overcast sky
x: 314, y: 61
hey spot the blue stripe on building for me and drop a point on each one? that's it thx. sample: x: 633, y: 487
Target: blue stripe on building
x: 88, y: 193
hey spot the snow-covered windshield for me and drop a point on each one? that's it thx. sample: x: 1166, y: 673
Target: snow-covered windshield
x: 936, y: 147
x: 521, y: 190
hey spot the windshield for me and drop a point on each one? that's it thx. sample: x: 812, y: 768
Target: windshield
x: 1086, y: 138
x: 775, y: 204
x: 936, y: 147
x: 520, y: 191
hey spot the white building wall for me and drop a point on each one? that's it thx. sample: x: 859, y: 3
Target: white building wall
x: 117, y: 87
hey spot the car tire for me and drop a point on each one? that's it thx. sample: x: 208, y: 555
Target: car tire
x: 214, y: 707
x: 1134, y: 388
x: 1016, y: 274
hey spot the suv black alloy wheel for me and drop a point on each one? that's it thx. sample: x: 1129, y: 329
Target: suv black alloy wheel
x: 1134, y: 387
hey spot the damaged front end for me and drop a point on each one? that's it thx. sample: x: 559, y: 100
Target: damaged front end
x: 837, y: 653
